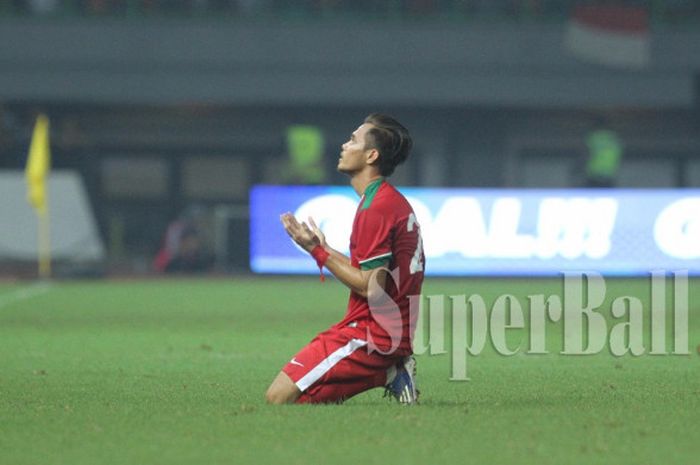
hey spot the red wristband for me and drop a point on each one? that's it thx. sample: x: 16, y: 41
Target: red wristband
x: 321, y: 256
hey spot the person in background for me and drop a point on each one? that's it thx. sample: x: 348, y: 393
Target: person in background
x: 305, y: 147
x: 604, y: 156
x: 183, y: 250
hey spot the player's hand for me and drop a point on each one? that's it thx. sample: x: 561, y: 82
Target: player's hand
x: 299, y: 232
x: 317, y: 231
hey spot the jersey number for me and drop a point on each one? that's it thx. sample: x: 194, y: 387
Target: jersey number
x: 417, y: 260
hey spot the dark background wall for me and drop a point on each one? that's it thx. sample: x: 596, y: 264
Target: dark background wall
x: 351, y: 62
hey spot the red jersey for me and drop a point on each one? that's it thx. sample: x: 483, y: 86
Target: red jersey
x: 385, y: 233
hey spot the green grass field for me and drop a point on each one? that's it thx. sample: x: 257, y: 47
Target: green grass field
x: 174, y: 372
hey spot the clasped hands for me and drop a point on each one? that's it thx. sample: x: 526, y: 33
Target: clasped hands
x: 307, y: 237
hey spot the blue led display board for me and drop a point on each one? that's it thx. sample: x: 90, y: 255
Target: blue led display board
x: 500, y: 232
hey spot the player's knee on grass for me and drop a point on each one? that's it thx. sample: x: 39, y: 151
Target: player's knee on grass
x: 282, y: 390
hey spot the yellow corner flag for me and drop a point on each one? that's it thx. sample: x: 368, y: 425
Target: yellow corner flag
x: 38, y: 167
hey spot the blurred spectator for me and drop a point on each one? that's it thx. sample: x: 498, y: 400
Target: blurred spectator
x: 43, y: 7
x: 675, y: 10
x: 526, y: 8
x: 251, y: 7
x: 305, y: 148
x: 661, y: 10
x: 604, y: 156
x: 421, y: 7
x: 98, y: 7
x: 484, y: 8
x: 8, y: 127
x: 183, y: 249
x: 70, y: 134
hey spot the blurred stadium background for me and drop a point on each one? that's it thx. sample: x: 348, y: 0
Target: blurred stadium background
x: 164, y: 109
x: 166, y: 117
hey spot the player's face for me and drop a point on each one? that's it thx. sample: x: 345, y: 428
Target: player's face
x: 353, y: 156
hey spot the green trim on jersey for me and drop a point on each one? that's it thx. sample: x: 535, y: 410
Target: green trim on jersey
x: 370, y: 192
x: 376, y: 262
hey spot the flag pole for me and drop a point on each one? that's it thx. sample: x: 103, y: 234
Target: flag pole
x: 44, y: 243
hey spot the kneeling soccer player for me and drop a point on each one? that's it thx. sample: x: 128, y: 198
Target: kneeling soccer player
x: 371, y: 346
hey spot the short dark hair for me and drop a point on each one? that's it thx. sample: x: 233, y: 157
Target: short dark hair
x: 391, y: 139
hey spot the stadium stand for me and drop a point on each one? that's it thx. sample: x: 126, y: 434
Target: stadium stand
x: 676, y: 11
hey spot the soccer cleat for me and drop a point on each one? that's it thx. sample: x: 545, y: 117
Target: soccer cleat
x: 403, y: 386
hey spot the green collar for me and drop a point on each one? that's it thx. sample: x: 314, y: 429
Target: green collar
x: 370, y: 192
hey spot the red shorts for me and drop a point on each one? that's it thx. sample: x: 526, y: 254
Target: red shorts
x: 336, y: 365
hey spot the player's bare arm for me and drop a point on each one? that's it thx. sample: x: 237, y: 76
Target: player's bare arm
x: 337, y: 263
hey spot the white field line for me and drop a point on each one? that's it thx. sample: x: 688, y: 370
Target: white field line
x: 24, y: 293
